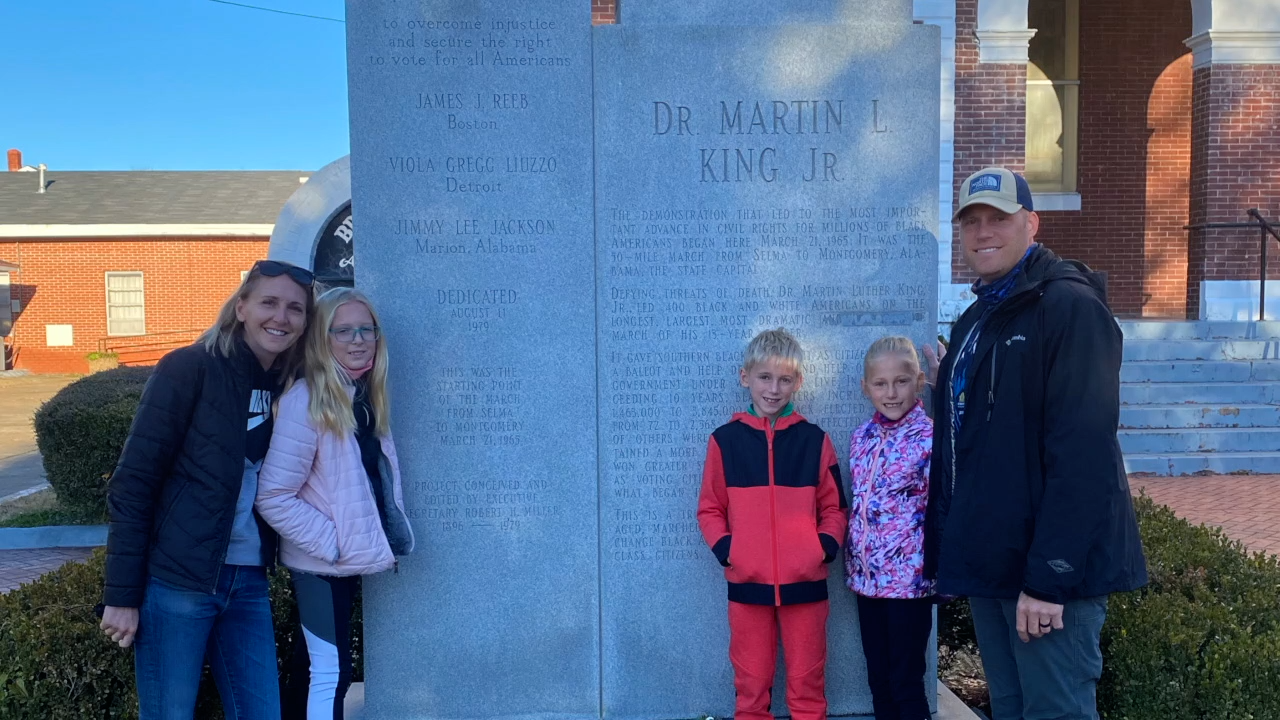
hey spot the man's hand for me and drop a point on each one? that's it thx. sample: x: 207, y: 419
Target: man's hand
x: 933, y: 358
x: 120, y: 624
x: 1037, y: 618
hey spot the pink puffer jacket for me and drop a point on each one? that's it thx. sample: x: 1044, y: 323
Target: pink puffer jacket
x: 313, y: 490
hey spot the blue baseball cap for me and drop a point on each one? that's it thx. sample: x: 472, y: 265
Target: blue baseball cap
x: 998, y: 187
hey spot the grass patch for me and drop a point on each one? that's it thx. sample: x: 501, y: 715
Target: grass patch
x: 42, y: 508
x: 54, y: 516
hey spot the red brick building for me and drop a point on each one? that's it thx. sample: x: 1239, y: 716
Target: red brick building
x: 1133, y: 120
x: 100, y: 258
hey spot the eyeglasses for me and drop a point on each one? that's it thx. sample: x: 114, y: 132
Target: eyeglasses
x: 275, y: 268
x: 350, y: 334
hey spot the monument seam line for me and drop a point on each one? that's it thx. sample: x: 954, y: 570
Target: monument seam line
x: 600, y: 444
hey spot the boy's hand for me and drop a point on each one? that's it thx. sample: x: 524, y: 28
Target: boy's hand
x: 933, y: 358
x: 721, y: 550
x: 830, y: 547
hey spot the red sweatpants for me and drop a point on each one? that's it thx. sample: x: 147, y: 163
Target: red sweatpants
x: 753, y: 650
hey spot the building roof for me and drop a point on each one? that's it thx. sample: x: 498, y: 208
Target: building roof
x: 146, y: 197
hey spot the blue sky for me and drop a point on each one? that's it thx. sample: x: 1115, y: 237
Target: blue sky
x: 173, y: 84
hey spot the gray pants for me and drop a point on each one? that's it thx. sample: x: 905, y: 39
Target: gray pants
x: 1050, y: 678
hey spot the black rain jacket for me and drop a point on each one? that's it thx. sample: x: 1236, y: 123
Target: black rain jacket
x: 172, y: 497
x: 1031, y: 495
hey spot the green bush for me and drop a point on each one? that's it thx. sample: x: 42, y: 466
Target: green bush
x: 56, y: 664
x: 80, y: 432
x: 1202, y: 640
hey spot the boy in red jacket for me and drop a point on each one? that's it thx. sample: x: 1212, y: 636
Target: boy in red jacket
x: 772, y: 509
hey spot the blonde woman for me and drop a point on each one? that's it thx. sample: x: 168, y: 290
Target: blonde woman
x: 186, y: 554
x: 331, y: 488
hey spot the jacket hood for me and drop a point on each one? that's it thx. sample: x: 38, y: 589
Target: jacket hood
x: 1044, y: 267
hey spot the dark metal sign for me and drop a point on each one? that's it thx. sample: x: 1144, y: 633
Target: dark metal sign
x: 335, y: 261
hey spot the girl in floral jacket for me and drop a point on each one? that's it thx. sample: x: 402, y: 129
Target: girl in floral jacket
x: 884, y: 555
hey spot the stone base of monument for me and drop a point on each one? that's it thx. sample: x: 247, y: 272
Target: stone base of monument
x: 950, y: 707
x: 353, y: 708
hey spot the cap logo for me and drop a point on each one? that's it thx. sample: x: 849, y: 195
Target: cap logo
x: 983, y: 183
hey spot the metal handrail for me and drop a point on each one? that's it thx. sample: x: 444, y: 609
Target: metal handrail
x: 124, y: 342
x: 1266, y: 228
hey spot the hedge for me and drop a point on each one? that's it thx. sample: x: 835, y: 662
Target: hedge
x: 80, y: 432
x: 56, y: 664
x: 1202, y: 640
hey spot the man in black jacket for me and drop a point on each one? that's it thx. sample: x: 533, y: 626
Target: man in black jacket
x: 1029, y: 511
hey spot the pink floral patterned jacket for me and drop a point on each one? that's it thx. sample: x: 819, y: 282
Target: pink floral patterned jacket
x: 889, y: 463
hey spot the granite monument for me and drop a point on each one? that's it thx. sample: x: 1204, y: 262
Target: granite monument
x: 571, y: 233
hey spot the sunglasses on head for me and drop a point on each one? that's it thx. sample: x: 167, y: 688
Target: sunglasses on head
x: 275, y: 268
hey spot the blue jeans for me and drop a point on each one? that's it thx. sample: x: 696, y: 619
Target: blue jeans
x: 178, y: 629
x: 1054, y: 677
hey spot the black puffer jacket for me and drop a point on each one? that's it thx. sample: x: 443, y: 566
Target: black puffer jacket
x: 172, y: 498
x: 1032, y: 495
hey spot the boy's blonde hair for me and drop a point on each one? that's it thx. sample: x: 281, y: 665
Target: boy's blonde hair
x: 776, y: 344
x: 330, y: 407
x: 891, y: 345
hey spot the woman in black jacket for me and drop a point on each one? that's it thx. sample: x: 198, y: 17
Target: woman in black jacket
x: 186, y: 554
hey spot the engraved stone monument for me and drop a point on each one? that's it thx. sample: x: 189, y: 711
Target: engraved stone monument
x: 571, y: 234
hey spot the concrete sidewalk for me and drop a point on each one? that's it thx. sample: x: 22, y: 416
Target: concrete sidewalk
x: 20, y: 397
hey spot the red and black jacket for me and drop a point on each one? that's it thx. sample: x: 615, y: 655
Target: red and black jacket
x: 772, y: 507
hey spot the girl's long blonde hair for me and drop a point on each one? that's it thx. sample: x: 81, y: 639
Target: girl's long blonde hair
x: 221, y: 337
x: 330, y: 408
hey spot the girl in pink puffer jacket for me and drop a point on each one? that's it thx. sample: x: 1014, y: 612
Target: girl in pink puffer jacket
x: 884, y: 555
x: 330, y: 486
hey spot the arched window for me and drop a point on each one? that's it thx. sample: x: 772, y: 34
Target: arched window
x: 1053, y: 95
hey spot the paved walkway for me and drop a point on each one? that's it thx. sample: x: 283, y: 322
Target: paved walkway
x: 22, y: 566
x: 20, y: 397
x: 1246, y: 507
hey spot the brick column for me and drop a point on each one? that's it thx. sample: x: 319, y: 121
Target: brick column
x: 604, y: 12
x: 1235, y: 143
x: 991, y: 99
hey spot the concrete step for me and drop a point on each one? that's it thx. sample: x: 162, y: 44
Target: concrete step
x: 1253, y: 463
x: 1209, y: 393
x: 1198, y: 330
x: 1194, y: 372
x: 1205, y: 440
x: 1138, y: 417
x: 1146, y: 350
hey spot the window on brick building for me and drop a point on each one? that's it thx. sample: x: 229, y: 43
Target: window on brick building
x: 1053, y: 95
x: 6, y: 309
x: 126, y: 304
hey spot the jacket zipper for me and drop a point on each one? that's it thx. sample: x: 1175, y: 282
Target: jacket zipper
x: 226, y: 543
x: 991, y: 388
x: 773, y: 511
x: 373, y: 500
x: 368, y: 491
x: 875, y: 471
x: 951, y: 403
